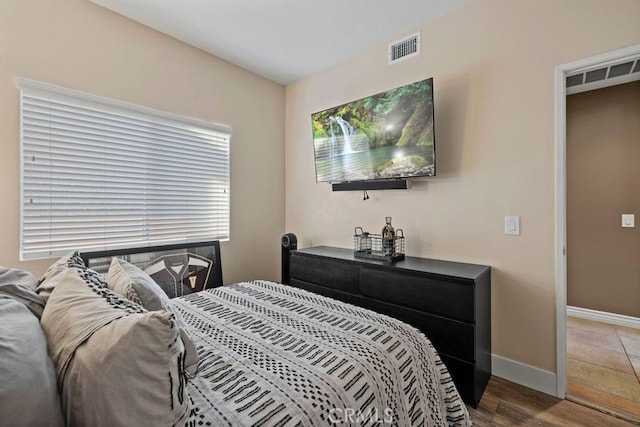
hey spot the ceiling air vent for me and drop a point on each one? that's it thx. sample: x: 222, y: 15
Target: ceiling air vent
x: 404, y: 49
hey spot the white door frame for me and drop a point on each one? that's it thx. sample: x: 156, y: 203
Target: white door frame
x: 561, y: 72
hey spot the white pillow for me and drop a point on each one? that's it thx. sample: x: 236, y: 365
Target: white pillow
x: 48, y: 280
x: 133, y: 283
x: 116, y: 363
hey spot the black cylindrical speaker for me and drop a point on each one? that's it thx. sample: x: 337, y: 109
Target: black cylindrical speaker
x: 289, y: 243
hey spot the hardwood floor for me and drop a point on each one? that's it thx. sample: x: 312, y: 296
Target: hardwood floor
x: 603, y: 368
x: 507, y: 404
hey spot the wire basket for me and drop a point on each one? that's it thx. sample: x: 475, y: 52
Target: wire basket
x: 371, y: 246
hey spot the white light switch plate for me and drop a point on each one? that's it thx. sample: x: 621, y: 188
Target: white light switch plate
x: 512, y: 225
x: 628, y: 220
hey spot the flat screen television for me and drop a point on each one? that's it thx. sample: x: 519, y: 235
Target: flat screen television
x: 389, y: 135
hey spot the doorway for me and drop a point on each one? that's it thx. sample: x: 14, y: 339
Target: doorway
x: 589, y: 74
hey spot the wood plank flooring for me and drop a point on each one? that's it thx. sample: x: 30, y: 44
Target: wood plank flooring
x: 603, y: 367
x: 507, y: 404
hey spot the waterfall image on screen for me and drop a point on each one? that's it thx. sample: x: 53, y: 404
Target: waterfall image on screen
x: 384, y: 136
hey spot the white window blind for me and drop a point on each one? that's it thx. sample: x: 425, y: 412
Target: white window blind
x: 100, y: 174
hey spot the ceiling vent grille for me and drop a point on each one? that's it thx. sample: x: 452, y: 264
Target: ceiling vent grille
x: 404, y: 49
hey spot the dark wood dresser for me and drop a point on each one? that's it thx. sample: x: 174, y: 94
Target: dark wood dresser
x: 450, y: 302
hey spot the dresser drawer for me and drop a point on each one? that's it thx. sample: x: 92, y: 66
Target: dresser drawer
x: 449, y: 299
x: 326, y: 272
x: 322, y: 290
x: 447, y: 336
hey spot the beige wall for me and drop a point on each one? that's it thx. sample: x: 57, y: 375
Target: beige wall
x: 79, y: 45
x: 493, y: 66
x: 603, y: 154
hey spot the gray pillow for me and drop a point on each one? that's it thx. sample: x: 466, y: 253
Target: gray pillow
x: 133, y: 283
x: 116, y: 363
x: 28, y: 391
x: 21, y: 286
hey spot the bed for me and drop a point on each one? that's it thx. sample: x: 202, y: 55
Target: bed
x: 249, y: 354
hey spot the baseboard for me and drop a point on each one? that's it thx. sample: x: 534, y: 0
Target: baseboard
x: 604, y: 317
x: 520, y: 373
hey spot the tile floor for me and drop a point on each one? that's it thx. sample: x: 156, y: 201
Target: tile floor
x: 603, y: 367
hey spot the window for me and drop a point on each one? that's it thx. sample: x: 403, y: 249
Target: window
x: 99, y: 174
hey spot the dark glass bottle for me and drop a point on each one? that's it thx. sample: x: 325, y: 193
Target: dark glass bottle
x: 388, y: 238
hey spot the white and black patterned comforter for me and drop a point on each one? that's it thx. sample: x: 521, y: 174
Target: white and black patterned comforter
x: 274, y: 355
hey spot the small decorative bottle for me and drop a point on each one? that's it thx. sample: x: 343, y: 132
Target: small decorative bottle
x: 388, y: 238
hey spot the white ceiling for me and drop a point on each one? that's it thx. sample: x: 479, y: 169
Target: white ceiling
x: 284, y: 40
